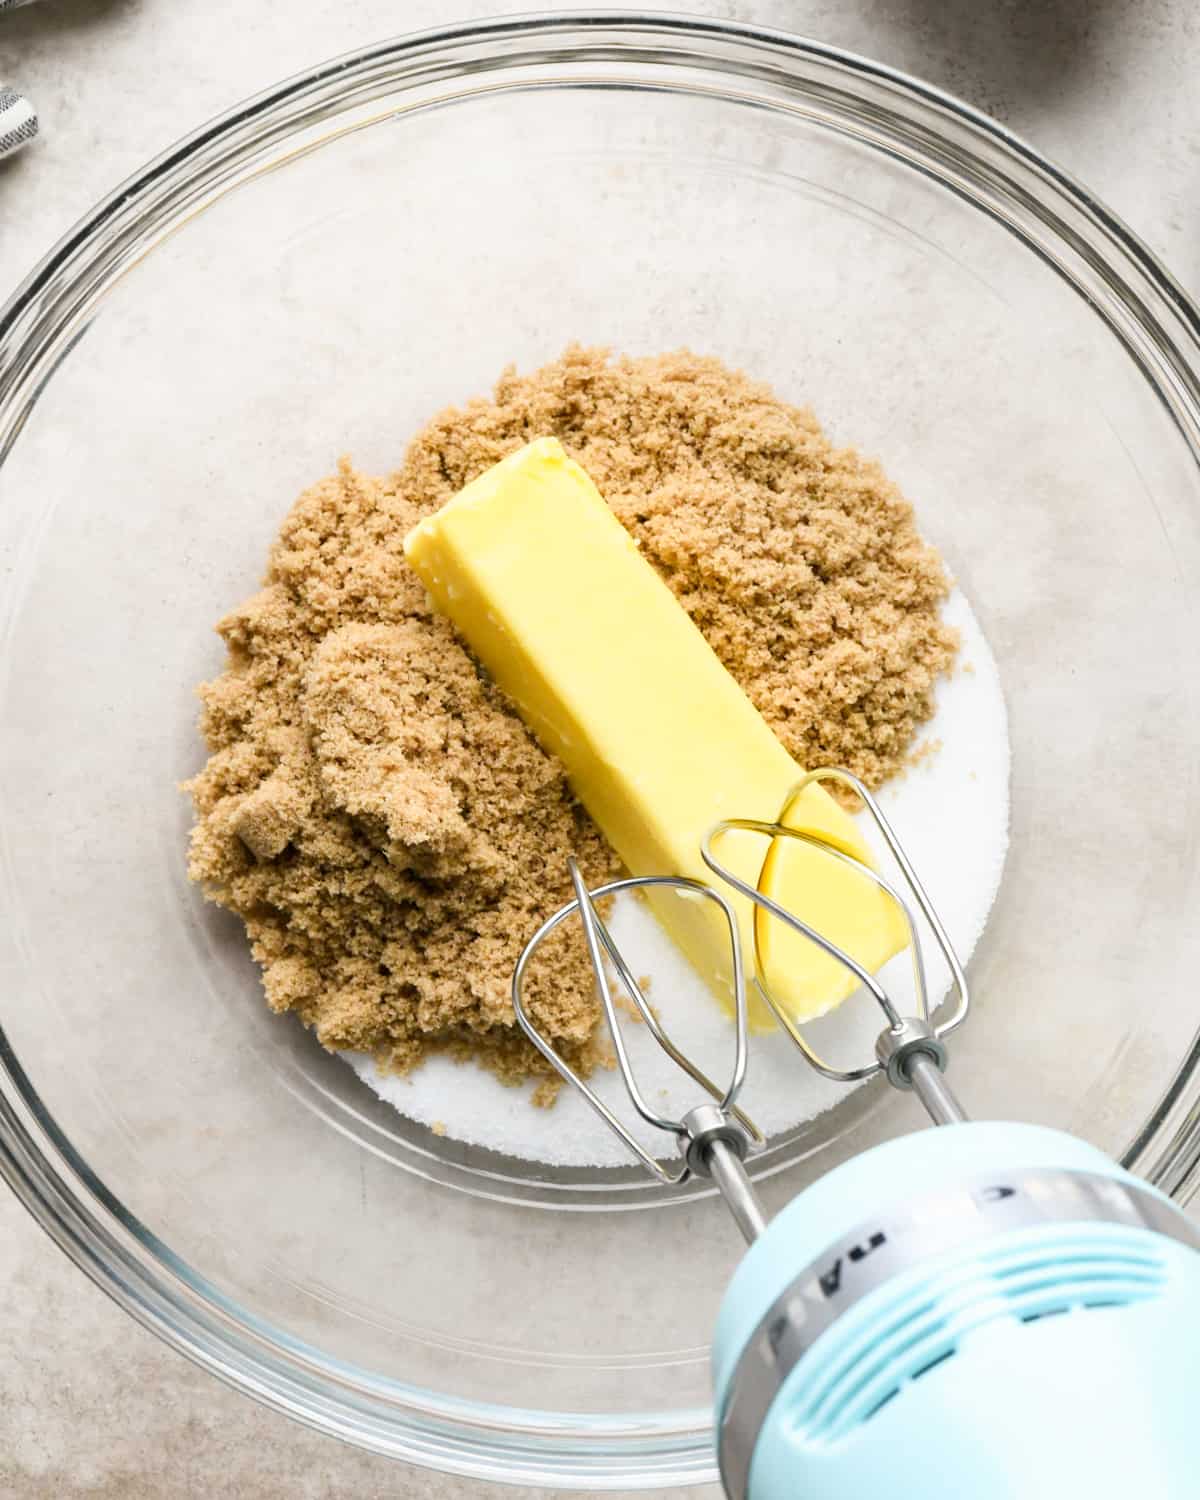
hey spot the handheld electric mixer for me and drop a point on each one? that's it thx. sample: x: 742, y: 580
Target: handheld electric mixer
x: 991, y: 1310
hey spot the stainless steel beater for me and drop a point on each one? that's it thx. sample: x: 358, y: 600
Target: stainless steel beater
x: 715, y: 1137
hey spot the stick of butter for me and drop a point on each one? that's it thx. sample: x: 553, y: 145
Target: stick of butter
x: 552, y: 596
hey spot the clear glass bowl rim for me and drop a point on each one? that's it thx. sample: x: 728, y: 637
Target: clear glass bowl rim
x: 1047, y: 210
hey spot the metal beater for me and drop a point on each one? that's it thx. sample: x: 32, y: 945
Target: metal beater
x: 715, y: 1137
x: 914, y: 1349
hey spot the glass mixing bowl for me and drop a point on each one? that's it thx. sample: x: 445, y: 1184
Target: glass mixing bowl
x: 319, y: 271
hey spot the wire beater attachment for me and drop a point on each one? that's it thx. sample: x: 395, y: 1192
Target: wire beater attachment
x: 715, y: 1129
x: 910, y: 1049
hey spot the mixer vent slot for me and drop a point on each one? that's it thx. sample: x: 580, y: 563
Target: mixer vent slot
x: 877, y: 1353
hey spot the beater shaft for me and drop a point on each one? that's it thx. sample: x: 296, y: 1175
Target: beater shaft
x: 934, y: 1092
x: 726, y: 1170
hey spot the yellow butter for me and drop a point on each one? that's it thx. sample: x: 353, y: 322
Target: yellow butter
x: 551, y: 594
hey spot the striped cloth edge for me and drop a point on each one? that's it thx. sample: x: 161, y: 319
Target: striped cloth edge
x: 18, y: 120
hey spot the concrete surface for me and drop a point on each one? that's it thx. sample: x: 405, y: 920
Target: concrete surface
x: 90, y: 1406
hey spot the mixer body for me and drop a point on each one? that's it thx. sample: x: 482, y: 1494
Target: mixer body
x: 994, y: 1311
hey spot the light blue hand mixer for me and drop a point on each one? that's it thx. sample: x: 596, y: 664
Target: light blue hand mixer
x: 989, y: 1311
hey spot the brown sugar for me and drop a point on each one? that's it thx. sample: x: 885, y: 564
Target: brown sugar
x: 377, y: 814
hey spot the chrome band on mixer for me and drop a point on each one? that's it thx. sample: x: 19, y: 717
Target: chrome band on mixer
x: 884, y: 1247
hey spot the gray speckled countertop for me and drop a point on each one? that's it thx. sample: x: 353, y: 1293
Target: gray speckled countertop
x: 91, y: 1405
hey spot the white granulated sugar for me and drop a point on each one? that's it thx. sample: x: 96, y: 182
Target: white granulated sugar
x: 951, y: 814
